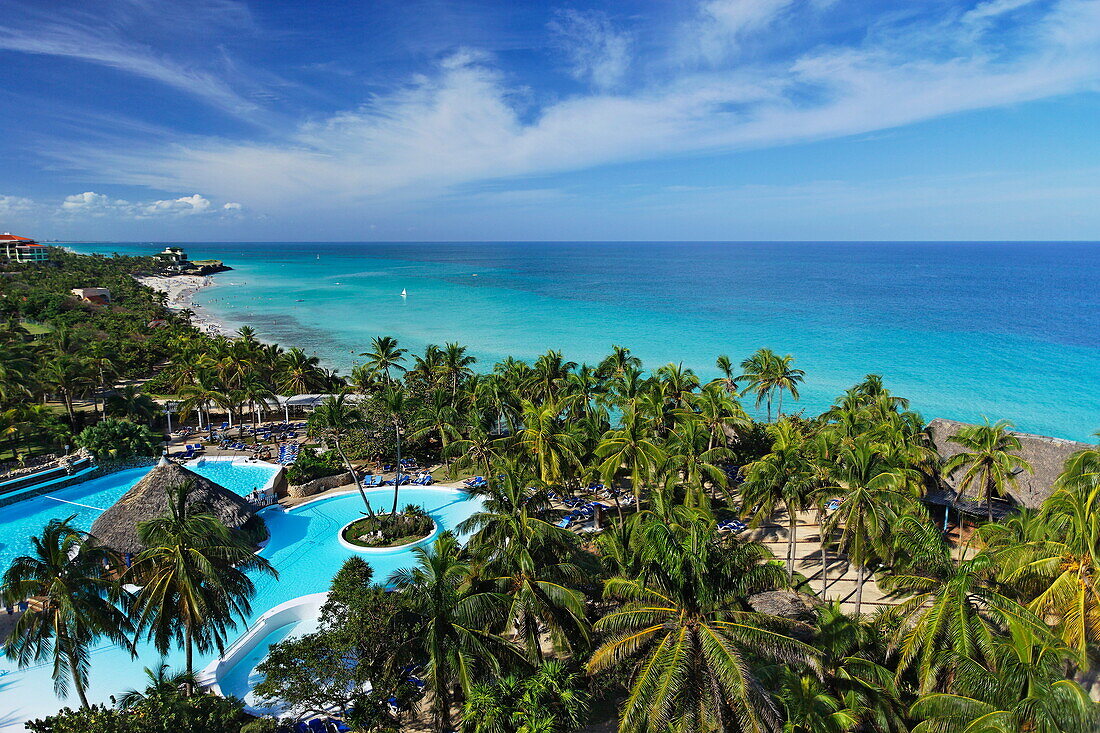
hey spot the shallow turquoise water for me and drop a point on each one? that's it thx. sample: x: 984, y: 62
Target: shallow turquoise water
x: 1004, y: 330
x: 303, y: 548
x: 240, y: 478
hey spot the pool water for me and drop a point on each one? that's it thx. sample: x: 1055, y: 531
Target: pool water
x: 240, y: 477
x: 303, y: 548
x: 243, y: 676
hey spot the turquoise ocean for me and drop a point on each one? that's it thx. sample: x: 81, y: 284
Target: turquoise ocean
x: 965, y: 330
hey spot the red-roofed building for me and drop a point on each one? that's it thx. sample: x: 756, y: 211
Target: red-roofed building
x: 22, y: 249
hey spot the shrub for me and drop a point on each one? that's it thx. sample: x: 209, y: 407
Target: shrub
x: 311, y: 466
x: 113, y: 438
x: 386, y: 530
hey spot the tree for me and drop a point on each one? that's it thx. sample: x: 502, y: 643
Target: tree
x: 193, y: 578
x: 118, y: 439
x: 527, y: 560
x: 68, y: 578
x: 332, y: 420
x: 989, y: 462
x: 873, y: 491
x: 630, y: 447
x: 131, y: 402
x: 552, y: 700
x: 384, y: 356
x: 782, y: 479
x: 447, y: 620
x: 396, y: 404
x: 691, y: 646
x: 689, y: 453
x: 299, y: 373
x: 455, y: 366
x: 548, y: 441
x: 766, y: 373
x: 437, y: 415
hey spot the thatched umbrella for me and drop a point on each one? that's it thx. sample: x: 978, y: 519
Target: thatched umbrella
x: 149, y: 499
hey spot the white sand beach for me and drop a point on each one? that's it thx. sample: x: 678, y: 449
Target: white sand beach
x: 180, y: 290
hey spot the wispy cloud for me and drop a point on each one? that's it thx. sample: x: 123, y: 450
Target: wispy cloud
x: 595, y: 50
x: 108, y: 40
x: 461, y: 122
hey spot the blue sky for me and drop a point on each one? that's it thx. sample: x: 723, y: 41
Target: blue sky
x: 448, y: 120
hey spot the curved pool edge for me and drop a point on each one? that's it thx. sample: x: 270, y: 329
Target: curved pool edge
x: 427, y: 539
x: 296, y: 609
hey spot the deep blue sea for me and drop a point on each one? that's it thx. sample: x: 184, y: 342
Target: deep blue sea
x: 965, y: 330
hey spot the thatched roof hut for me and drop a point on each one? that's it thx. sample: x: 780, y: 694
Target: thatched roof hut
x: 1047, y: 457
x: 149, y: 498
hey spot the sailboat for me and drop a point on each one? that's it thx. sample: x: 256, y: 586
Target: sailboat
x: 403, y: 293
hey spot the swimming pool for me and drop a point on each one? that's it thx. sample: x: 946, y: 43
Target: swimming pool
x: 239, y: 475
x: 303, y: 547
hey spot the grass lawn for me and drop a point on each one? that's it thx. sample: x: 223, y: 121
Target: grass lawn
x: 35, y: 329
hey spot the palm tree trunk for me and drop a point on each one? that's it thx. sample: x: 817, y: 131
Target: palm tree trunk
x: 779, y: 408
x: 190, y: 643
x: 859, y: 589
x: 77, y: 682
x: 397, y: 478
x: 354, y: 475
x: 824, y: 568
x: 792, y: 528
x: 769, y: 406
x: 989, y: 495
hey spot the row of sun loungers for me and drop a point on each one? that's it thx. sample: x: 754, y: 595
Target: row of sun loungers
x: 288, y: 454
x: 420, y: 479
x: 316, y: 725
x: 732, y: 525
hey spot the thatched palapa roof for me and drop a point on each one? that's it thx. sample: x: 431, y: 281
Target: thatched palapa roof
x: 149, y: 498
x: 1047, y: 457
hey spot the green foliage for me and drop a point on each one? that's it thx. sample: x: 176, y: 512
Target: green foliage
x: 117, y: 439
x: 388, y: 530
x: 312, y: 465
x: 208, y: 713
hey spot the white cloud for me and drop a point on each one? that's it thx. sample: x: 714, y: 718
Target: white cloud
x: 95, y: 204
x: 15, y: 205
x: 596, y: 51
x: 721, y: 25
x: 461, y: 123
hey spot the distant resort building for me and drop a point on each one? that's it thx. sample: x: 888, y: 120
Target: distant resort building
x: 22, y: 249
x: 173, y: 258
x: 99, y: 296
x: 1047, y: 457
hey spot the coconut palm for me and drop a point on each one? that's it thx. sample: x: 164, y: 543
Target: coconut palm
x: 548, y: 441
x: 727, y: 380
x: 396, y: 405
x: 615, y: 364
x: 990, y: 462
x: 874, y: 493
x: 384, y: 355
x: 1021, y: 688
x: 437, y: 416
x: 949, y: 610
x: 477, y: 450
x: 163, y: 686
x: 691, y: 646
x: 782, y: 479
x: 630, y: 448
x: 130, y: 401
x: 299, y: 373
x: 455, y: 366
x: 68, y: 577
x: 448, y: 618
x: 527, y: 559
x: 768, y: 373
x: 332, y: 420
x: 552, y: 700
x: 687, y: 451
x: 199, y: 396
x: 193, y: 578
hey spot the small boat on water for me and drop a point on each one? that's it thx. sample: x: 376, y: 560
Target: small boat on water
x: 404, y: 294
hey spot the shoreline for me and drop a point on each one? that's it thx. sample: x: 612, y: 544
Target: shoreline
x: 181, y: 290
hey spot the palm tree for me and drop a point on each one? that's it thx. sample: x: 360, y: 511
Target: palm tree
x: 989, y: 462
x: 69, y: 376
x: 437, y: 415
x: 549, y: 373
x: 950, y: 610
x: 200, y: 395
x: 719, y: 412
x: 396, y: 404
x: 549, y: 701
x: 781, y: 479
x: 617, y: 363
x: 477, y: 450
x: 1021, y: 688
x: 164, y: 686
x: 130, y: 401
x: 526, y: 559
x: 16, y: 369
x: 766, y: 373
x: 548, y: 441
x: 384, y: 356
x: 631, y: 447
x: 448, y: 619
x: 193, y: 578
x: 455, y: 366
x: 874, y: 493
x: 691, y: 645
x: 332, y: 420
x: 727, y: 380
x: 688, y: 451
x: 299, y: 373
x: 67, y: 576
